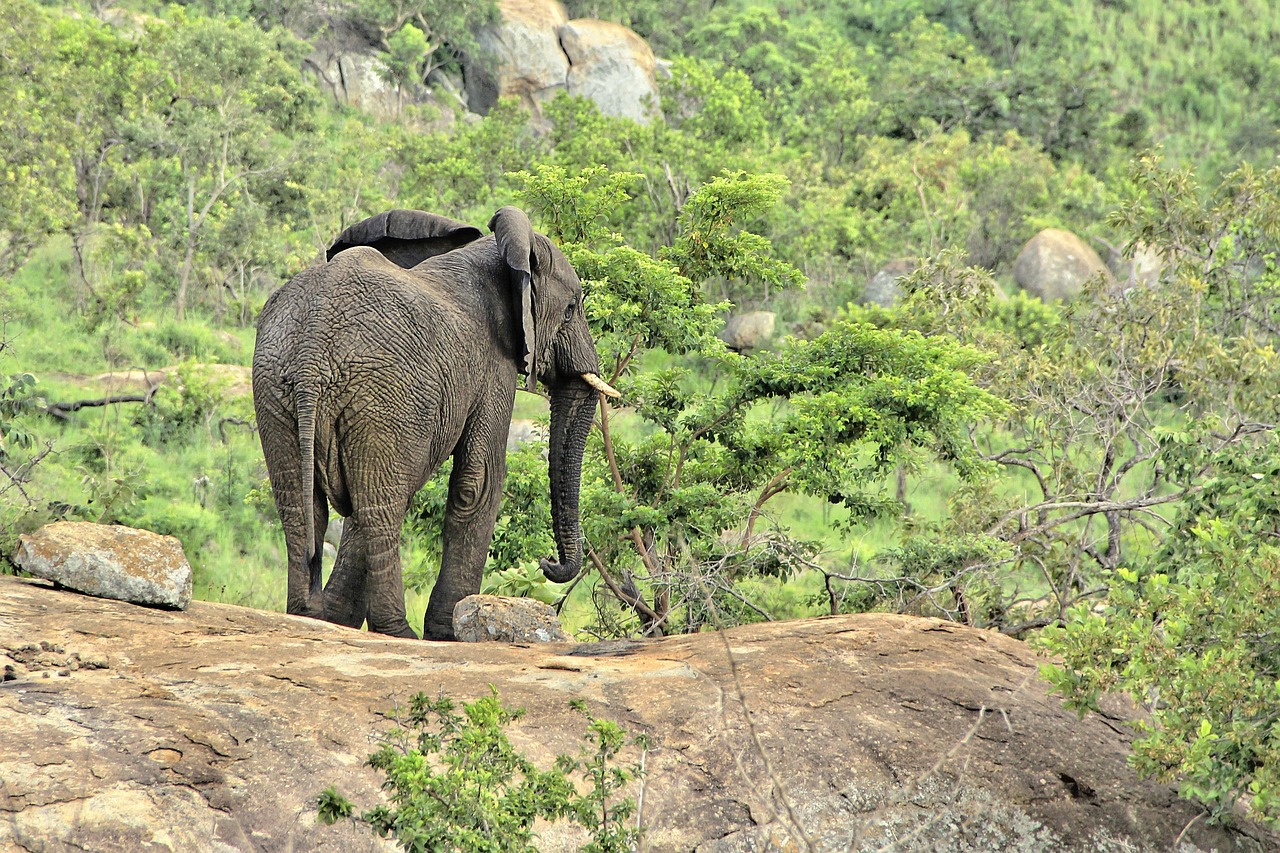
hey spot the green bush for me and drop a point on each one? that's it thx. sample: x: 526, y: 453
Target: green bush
x: 1190, y: 633
x: 456, y: 783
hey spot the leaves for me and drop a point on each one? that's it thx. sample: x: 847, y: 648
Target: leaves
x: 456, y: 782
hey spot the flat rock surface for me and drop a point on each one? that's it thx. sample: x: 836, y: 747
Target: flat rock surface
x: 215, y: 729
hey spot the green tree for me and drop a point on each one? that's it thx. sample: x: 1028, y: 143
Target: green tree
x: 457, y: 783
x: 1189, y: 633
x: 216, y: 145
x: 672, y: 508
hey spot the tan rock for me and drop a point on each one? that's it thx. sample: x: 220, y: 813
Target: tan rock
x: 1055, y: 264
x: 520, y: 55
x: 109, y: 561
x: 612, y: 66
x: 503, y: 619
x: 749, y: 330
x: 216, y: 728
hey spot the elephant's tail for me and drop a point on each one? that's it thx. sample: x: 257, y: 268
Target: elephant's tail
x: 306, y: 410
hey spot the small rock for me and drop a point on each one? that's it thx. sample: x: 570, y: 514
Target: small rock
x: 109, y: 562
x: 492, y: 618
x: 883, y: 288
x: 94, y: 660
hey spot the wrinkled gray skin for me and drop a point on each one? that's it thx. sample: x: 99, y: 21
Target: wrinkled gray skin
x: 368, y: 375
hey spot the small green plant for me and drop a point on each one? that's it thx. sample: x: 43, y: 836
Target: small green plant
x: 456, y: 783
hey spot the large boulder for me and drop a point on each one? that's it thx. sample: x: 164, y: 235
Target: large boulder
x: 612, y: 66
x: 534, y: 52
x: 215, y: 729
x: 109, y: 561
x: 356, y: 77
x: 520, y: 55
x: 1055, y: 264
x: 748, y: 331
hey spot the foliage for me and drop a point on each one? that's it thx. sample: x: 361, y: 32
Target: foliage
x: 179, y: 162
x: 1189, y: 632
x: 456, y: 782
x: 672, y: 513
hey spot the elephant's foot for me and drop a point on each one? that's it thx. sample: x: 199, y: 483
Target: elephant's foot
x: 400, y: 630
x: 311, y: 608
x: 438, y: 631
x: 340, y: 612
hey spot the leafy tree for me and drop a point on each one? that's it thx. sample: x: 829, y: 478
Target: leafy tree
x: 659, y: 507
x: 70, y: 84
x: 1189, y: 632
x: 214, y: 145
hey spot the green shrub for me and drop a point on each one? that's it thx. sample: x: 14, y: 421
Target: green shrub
x: 456, y: 783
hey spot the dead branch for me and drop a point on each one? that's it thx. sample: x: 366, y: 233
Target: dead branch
x: 61, y: 411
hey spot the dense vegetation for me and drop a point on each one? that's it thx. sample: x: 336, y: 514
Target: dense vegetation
x: 1104, y: 469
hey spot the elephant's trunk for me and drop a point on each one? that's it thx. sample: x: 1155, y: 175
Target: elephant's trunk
x: 572, y: 412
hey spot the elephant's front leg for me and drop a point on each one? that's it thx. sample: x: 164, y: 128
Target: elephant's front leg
x: 475, y: 492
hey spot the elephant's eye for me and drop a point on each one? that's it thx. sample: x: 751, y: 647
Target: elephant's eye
x: 568, y: 311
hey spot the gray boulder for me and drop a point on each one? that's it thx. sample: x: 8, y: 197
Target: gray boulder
x: 523, y: 431
x: 493, y: 618
x: 109, y: 561
x: 1140, y: 268
x: 749, y: 331
x: 1055, y: 264
x: 883, y: 288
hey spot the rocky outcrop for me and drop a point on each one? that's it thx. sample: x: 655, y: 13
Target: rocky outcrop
x: 1055, y: 264
x: 535, y: 52
x: 356, y: 77
x: 612, y: 66
x: 216, y: 728
x: 109, y: 561
x: 501, y: 619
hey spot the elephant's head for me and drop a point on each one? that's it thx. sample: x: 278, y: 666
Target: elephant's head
x: 556, y: 348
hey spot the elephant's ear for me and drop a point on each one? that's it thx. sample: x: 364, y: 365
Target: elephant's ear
x: 406, y: 237
x: 514, y: 234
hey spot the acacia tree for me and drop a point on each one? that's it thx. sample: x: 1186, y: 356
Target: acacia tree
x: 673, y: 498
x: 1188, y: 624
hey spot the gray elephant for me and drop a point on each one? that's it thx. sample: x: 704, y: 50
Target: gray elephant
x: 400, y: 351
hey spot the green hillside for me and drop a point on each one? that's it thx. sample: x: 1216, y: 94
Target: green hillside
x: 1099, y: 474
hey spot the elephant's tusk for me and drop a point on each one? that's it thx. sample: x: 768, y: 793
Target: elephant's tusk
x: 600, y: 385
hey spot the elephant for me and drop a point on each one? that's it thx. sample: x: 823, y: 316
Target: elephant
x: 405, y: 348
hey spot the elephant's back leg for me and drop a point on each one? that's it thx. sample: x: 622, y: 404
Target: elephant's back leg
x: 278, y: 432
x: 346, y: 595
x: 376, y: 460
